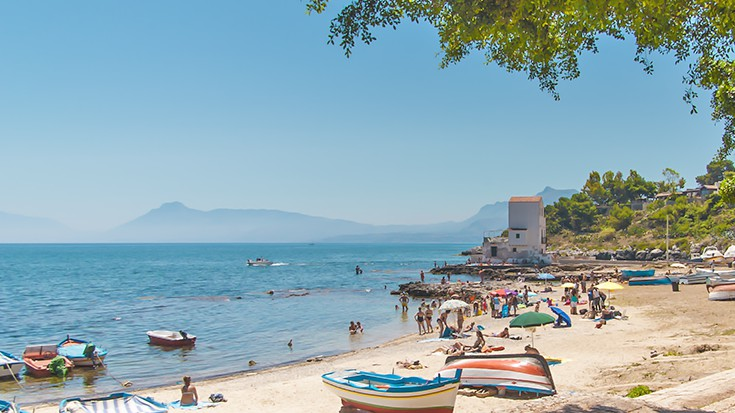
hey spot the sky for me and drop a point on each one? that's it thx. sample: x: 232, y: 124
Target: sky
x: 109, y: 109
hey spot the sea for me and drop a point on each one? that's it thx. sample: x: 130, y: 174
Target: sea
x: 111, y: 294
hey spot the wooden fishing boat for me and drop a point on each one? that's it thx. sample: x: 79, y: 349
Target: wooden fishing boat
x: 37, y: 358
x: 721, y: 289
x: 390, y: 393
x: 637, y: 273
x: 171, y: 338
x: 8, y: 407
x: 10, y: 366
x: 82, y: 353
x: 649, y: 280
x: 523, y: 373
x: 114, y: 403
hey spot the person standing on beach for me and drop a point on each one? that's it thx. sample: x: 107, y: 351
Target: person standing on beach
x: 422, y: 276
x: 429, y: 314
x: 419, y: 317
x: 443, y: 322
x: 460, y: 320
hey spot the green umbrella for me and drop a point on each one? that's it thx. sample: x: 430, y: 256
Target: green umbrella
x: 531, y: 319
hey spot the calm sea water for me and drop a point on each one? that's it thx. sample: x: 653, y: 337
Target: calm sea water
x: 112, y: 294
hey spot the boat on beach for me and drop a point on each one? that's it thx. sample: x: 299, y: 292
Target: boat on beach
x: 259, y: 262
x: 39, y: 357
x: 523, y: 373
x: 171, y: 338
x: 711, y: 254
x: 114, y: 403
x: 8, y: 407
x: 637, y: 273
x: 701, y: 276
x: 390, y: 393
x: 721, y: 289
x: 82, y: 353
x: 10, y: 366
x: 650, y: 280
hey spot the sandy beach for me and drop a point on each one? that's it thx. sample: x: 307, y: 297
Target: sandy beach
x: 668, y: 339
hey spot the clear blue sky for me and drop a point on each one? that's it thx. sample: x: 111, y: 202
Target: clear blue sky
x: 108, y: 109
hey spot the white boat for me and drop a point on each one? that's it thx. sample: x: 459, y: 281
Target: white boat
x: 259, y: 262
x: 729, y: 254
x: 701, y: 276
x: 711, y: 253
x: 9, y: 365
x: 721, y: 290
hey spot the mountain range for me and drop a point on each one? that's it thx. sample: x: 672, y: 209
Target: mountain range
x: 174, y: 222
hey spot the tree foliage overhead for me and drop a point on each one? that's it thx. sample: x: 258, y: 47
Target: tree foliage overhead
x: 611, y: 188
x: 544, y: 38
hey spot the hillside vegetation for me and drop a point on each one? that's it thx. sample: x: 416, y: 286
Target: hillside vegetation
x: 600, y: 217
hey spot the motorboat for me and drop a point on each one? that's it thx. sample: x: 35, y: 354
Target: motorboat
x: 695, y: 257
x: 259, y: 262
x: 729, y: 254
x: 390, y: 393
x: 638, y: 273
x: 114, y: 403
x: 721, y: 289
x: 701, y: 276
x: 711, y: 254
x: 82, y: 353
x: 9, y: 407
x: 171, y: 338
x: 43, y: 360
x: 10, y: 366
x: 523, y: 373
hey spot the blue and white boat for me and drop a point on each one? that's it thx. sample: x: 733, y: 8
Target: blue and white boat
x: 82, y: 353
x: 8, y: 407
x: 114, y: 403
x: 390, y: 393
x: 10, y: 365
x: 638, y: 273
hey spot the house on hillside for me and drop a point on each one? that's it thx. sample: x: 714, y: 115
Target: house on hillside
x: 526, y: 241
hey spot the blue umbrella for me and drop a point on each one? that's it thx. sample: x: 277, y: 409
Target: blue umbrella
x: 562, y: 315
x: 545, y: 276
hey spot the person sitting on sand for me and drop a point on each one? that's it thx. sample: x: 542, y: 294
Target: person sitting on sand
x: 479, y: 343
x: 470, y: 327
x: 189, y: 396
x: 503, y: 334
x: 531, y: 350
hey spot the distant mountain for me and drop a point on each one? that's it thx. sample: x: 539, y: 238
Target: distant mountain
x: 175, y: 222
x: 24, y: 229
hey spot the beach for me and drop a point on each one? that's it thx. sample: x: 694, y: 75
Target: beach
x: 668, y: 339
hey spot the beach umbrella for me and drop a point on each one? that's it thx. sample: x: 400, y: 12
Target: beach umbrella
x: 453, y: 305
x: 531, y: 319
x: 501, y: 292
x: 609, y: 286
x: 568, y: 285
x: 545, y: 276
x: 564, y: 316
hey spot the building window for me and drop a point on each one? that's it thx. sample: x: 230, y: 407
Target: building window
x: 493, y: 251
x: 514, y: 250
x: 518, y: 236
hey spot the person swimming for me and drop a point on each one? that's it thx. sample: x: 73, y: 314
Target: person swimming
x: 189, y: 396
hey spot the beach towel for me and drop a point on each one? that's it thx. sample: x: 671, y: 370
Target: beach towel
x: 201, y: 405
x: 447, y: 333
x: 505, y: 312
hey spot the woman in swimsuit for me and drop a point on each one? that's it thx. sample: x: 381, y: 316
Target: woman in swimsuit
x: 189, y: 396
x: 419, y: 317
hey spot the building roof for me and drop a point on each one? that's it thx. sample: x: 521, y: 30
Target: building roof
x: 525, y: 199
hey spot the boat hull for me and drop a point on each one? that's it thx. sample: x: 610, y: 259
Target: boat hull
x: 38, y: 357
x: 637, y: 273
x: 649, y: 281
x: 116, y: 402
x: 525, y: 373
x: 10, y: 366
x: 438, y: 397
x: 259, y: 263
x: 170, y: 339
x: 73, y: 349
x: 722, y: 290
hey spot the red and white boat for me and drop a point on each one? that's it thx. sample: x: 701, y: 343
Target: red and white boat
x: 37, y: 358
x: 523, y: 373
x: 721, y: 290
x: 171, y: 338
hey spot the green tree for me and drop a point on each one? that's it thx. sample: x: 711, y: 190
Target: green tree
x: 594, y: 189
x: 577, y: 214
x: 614, y: 184
x: 636, y: 187
x: 715, y: 171
x: 672, y: 181
x: 544, y: 39
x: 620, y: 217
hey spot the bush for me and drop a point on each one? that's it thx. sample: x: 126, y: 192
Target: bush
x: 638, y: 391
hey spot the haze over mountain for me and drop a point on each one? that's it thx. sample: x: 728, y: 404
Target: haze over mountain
x: 174, y: 222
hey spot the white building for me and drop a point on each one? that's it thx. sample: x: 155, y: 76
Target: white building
x: 526, y: 242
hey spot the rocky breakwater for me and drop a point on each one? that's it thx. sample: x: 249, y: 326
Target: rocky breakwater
x: 648, y: 254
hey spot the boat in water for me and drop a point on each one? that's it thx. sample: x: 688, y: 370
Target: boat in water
x: 171, y: 338
x: 10, y: 366
x: 259, y: 262
x: 522, y: 373
x: 721, y: 289
x: 650, y: 280
x: 390, y: 393
x: 82, y: 353
x: 114, y: 403
x: 637, y: 273
x: 43, y: 360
